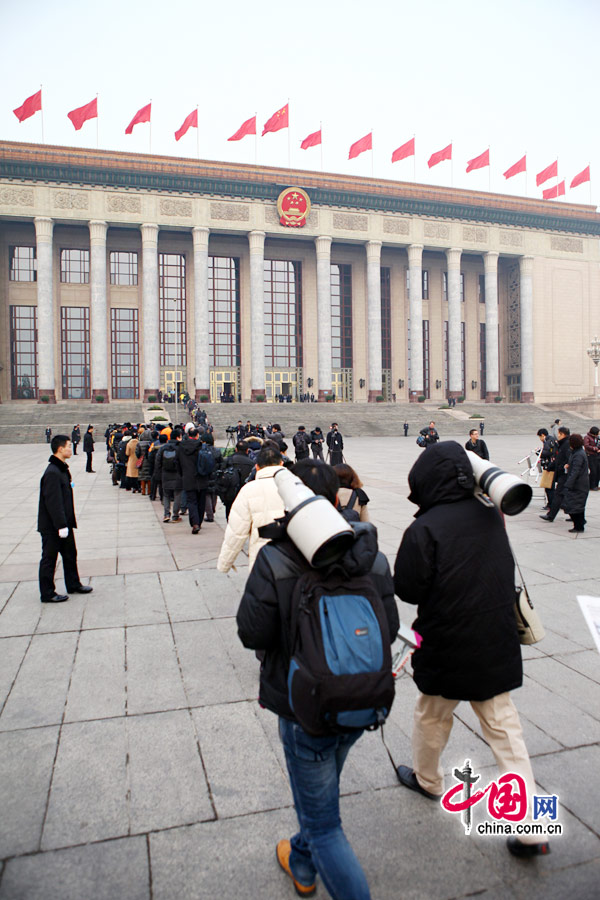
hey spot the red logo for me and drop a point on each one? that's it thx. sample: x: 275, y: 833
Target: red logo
x: 293, y: 206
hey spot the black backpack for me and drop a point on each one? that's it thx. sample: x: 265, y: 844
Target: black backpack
x: 348, y: 512
x: 169, y: 460
x: 205, y: 461
x: 227, y: 482
x: 340, y: 674
x: 301, y: 441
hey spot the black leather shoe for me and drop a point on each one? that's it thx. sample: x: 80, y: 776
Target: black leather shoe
x: 409, y: 780
x: 546, y: 518
x: 526, y: 851
x: 575, y: 530
x: 55, y: 598
x: 82, y: 589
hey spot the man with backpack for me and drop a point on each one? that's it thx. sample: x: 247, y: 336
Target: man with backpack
x: 280, y: 584
x: 196, y: 463
x: 301, y: 443
x: 167, y: 469
x: 231, y: 476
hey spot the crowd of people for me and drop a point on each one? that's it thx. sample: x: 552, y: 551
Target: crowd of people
x: 469, y: 645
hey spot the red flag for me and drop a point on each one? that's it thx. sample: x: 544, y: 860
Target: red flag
x: 83, y: 113
x: 555, y: 191
x: 550, y: 171
x: 142, y: 115
x: 479, y: 162
x: 249, y: 127
x: 312, y: 140
x: 278, y: 120
x: 579, y: 179
x: 190, y: 121
x: 520, y: 166
x: 365, y: 143
x: 440, y: 156
x: 407, y: 149
x: 32, y: 105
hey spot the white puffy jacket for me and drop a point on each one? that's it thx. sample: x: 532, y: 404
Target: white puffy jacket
x: 258, y: 503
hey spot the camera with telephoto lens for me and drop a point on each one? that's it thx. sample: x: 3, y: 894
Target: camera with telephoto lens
x: 231, y: 429
x: 506, y: 492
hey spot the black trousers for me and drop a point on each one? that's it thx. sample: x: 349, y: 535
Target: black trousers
x: 594, y: 464
x: 88, y: 465
x: 196, y: 502
x: 52, y: 545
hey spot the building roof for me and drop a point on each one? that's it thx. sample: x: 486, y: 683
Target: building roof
x: 41, y: 162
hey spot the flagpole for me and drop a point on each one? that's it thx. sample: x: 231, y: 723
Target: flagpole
x: 97, y: 128
x: 414, y: 160
x: 289, y: 138
x: 372, y: 155
x: 255, y: 138
x: 590, y: 184
x: 526, y: 194
x: 42, y: 112
x: 197, y: 132
x: 150, y: 130
x: 489, y: 172
x: 321, y: 130
x: 452, y: 164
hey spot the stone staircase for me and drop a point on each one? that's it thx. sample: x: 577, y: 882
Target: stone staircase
x: 25, y: 421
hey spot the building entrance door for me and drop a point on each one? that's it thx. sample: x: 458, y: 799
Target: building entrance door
x: 224, y: 385
x: 514, y: 388
x: 282, y: 382
x: 173, y: 382
x: 341, y: 383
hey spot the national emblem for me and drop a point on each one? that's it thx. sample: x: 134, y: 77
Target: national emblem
x: 293, y: 206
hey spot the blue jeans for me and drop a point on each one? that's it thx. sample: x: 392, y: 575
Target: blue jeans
x: 315, y: 765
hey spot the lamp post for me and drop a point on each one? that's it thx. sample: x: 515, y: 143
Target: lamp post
x: 594, y: 354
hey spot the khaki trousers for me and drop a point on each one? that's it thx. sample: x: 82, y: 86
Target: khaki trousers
x: 501, y: 728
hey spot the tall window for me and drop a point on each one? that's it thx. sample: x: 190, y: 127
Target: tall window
x: 125, y: 354
x: 424, y: 283
x: 23, y: 352
x: 283, y: 313
x: 22, y: 265
x: 171, y: 289
x: 481, y: 289
x: 224, y: 311
x: 341, y: 316
x: 75, y: 345
x: 445, y: 286
x: 123, y: 267
x: 75, y: 266
x: 482, y: 362
x: 386, y: 319
x: 426, y: 360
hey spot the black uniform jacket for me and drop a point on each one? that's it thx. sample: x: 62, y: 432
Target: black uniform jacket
x: 264, y: 615
x: 56, y: 509
x: 456, y: 565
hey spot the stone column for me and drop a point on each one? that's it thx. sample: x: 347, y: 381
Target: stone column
x: 257, y: 316
x: 374, y: 318
x: 98, y: 310
x: 454, y: 319
x: 415, y: 296
x: 45, y: 309
x: 323, y: 247
x: 202, y: 373
x: 150, y: 317
x: 492, y: 385
x: 526, y: 295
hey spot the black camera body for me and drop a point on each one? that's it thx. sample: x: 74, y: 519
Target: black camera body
x: 231, y: 429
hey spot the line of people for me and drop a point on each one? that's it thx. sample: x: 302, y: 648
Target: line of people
x: 570, y: 465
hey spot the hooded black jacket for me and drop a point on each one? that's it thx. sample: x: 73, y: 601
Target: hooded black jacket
x: 264, y: 614
x: 56, y: 509
x: 456, y: 565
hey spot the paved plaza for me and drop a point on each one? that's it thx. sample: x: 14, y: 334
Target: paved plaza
x: 135, y: 762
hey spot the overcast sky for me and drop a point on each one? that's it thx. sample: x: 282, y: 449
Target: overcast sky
x: 517, y: 76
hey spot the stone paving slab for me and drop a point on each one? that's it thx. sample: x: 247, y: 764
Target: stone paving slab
x: 136, y: 762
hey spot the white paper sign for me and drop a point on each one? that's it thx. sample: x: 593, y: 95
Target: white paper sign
x: 590, y: 607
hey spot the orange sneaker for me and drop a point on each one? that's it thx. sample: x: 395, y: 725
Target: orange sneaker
x: 282, y: 851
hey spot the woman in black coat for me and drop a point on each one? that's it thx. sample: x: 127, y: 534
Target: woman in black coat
x: 88, y: 447
x: 577, y: 485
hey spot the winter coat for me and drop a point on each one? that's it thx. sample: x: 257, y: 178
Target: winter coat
x: 264, y: 614
x: 187, y: 454
x: 577, y: 485
x: 242, y: 462
x: 360, y: 501
x: 549, y: 450
x: 141, y: 451
x: 56, y: 508
x: 479, y: 447
x: 335, y: 441
x: 257, y: 503
x: 316, y: 438
x: 171, y: 481
x: 590, y: 445
x: 88, y: 442
x: 558, y: 463
x: 75, y: 436
x: 122, y: 449
x: 456, y: 565
x: 431, y: 436
x: 132, y: 459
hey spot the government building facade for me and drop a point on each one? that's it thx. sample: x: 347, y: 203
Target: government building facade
x: 122, y: 275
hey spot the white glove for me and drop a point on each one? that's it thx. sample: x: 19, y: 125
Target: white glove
x: 63, y: 532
